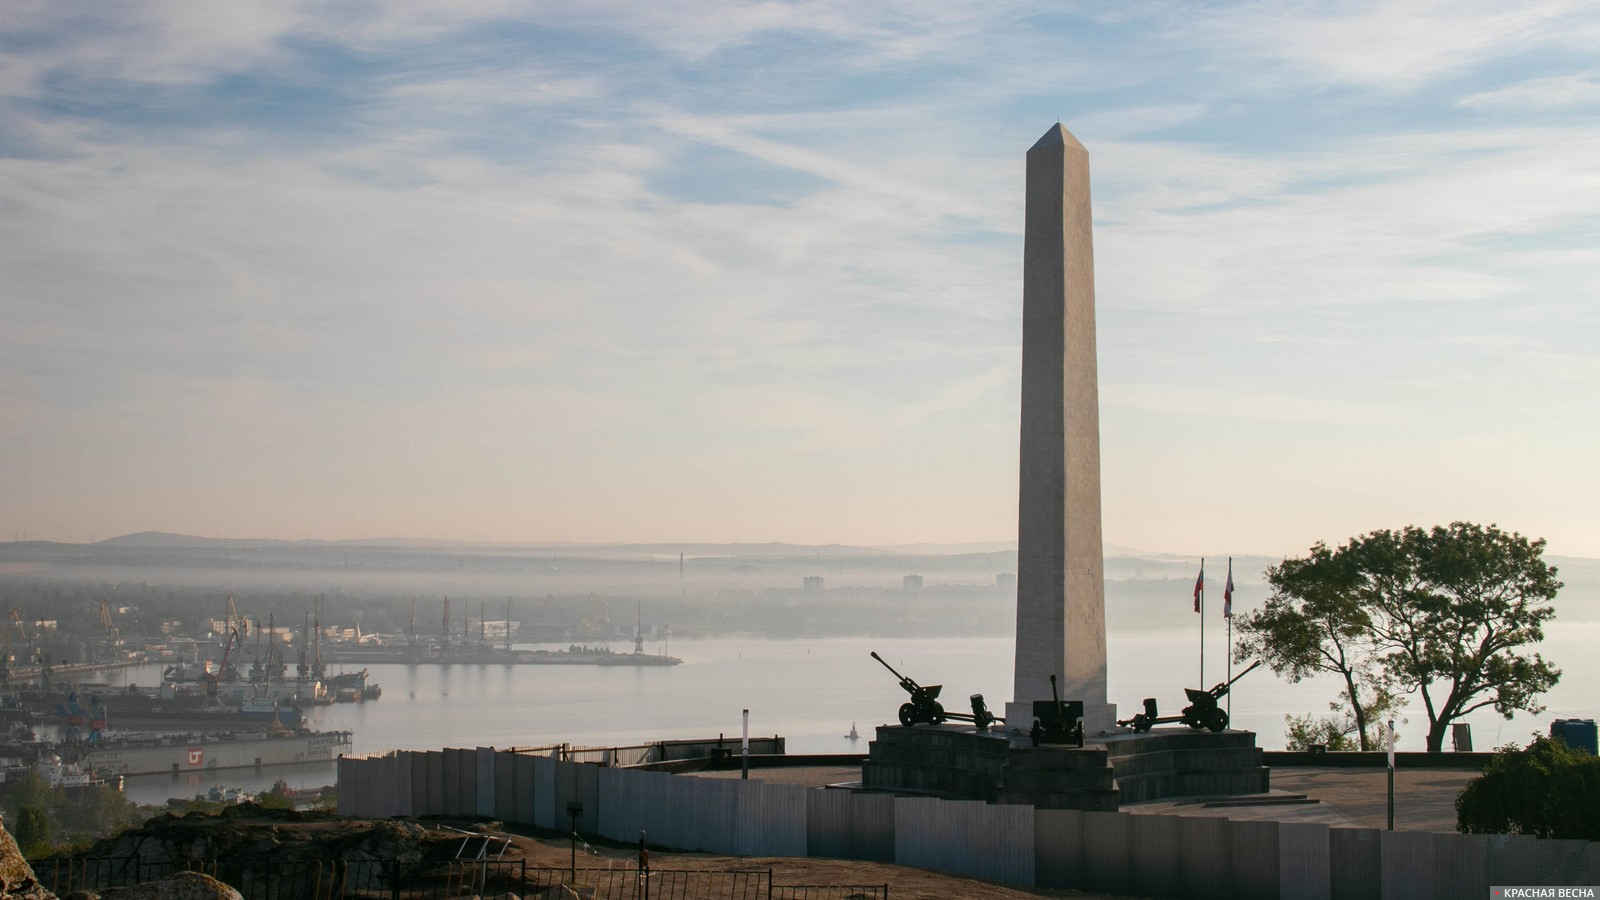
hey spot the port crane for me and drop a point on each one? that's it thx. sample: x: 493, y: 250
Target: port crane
x: 214, y: 678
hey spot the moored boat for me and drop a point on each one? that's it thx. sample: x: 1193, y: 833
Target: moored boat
x: 157, y: 754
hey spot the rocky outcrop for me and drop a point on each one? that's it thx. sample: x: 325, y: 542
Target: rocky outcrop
x: 299, y: 852
x: 186, y: 886
x: 17, y: 881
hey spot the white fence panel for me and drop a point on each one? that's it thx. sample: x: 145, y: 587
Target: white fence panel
x: 522, y: 799
x: 828, y: 824
x: 1406, y: 864
x: 1304, y: 861
x: 619, y: 805
x: 1058, y: 848
x: 485, y: 782
x: 872, y: 827
x: 1005, y: 844
x: 546, y: 813
x: 1155, y: 855
x: 771, y: 819
x: 1204, y: 869
x: 1106, y: 855
x: 919, y: 835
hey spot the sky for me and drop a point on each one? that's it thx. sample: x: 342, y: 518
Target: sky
x: 701, y: 271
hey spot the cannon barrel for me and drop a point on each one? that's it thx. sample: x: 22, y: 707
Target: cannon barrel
x: 885, y: 665
x: 1243, y: 674
x: 911, y: 686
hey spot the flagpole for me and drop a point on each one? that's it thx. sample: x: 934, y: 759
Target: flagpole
x: 1202, y: 623
x: 1227, y: 608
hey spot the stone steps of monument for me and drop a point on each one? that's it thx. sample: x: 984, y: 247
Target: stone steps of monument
x: 1089, y: 758
x: 1166, y: 739
x: 1259, y: 800
x: 1190, y: 760
x: 1105, y: 800
x: 1209, y: 782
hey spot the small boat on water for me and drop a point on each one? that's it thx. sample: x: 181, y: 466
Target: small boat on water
x: 853, y: 735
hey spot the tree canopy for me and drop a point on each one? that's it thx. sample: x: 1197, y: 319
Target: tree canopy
x: 1441, y: 613
x: 1547, y: 790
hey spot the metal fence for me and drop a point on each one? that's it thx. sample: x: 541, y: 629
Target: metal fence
x: 267, y: 879
x: 830, y: 892
x: 656, y: 884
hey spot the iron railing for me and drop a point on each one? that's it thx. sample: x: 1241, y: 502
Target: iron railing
x: 269, y: 879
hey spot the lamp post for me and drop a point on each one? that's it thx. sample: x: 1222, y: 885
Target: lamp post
x: 574, y: 809
x: 744, y: 752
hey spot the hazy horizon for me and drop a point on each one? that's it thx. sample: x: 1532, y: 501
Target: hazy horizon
x: 625, y: 273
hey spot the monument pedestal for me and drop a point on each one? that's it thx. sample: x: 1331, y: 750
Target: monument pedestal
x: 1109, y: 770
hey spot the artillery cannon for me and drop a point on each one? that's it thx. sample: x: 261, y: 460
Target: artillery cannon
x: 1203, y: 711
x: 924, y: 705
x: 1056, y: 721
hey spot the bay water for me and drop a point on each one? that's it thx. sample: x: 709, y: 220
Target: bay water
x: 811, y: 692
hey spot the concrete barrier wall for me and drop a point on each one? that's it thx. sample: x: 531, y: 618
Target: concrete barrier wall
x: 1136, y: 855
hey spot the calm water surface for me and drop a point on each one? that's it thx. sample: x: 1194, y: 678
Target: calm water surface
x: 811, y: 691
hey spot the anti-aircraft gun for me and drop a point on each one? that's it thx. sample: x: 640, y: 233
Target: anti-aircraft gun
x: 1204, y: 709
x: 924, y: 705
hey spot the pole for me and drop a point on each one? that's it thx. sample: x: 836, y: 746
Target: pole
x: 744, y: 751
x: 574, y: 809
x: 644, y: 867
x: 1228, y: 611
x: 1391, y: 774
x: 1202, y: 623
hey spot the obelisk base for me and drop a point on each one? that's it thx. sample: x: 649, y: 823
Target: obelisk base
x: 1102, y: 717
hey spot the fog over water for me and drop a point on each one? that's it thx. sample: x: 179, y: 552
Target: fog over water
x: 811, y: 692
x: 749, y: 634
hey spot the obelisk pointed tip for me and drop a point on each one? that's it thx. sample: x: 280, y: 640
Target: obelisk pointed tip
x: 1056, y: 136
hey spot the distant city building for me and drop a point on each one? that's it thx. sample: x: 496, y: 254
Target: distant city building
x: 912, y: 582
x: 812, y: 582
x: 1006, y: 581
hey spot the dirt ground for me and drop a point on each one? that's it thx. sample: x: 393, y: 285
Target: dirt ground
x: 905, y: 883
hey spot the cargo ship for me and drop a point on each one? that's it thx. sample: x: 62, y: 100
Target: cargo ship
x: 178, y: 753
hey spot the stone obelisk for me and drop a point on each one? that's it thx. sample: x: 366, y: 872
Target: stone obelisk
x: 1061, y: 619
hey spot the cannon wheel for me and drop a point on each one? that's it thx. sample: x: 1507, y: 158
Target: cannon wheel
x: 938, y: 713
x: 908, y: 715
x: 1141, y: 722
x: 1217, y: 720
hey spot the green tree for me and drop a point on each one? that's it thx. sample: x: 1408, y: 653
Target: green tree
x: 1314, y: 622
x: 1451, y: 609
x: 1442, y: 613
x: 35, y: 832
x: 30, y: 789
x: 1547, y: 790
